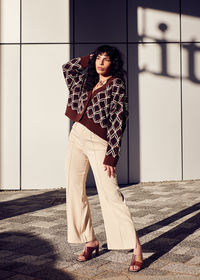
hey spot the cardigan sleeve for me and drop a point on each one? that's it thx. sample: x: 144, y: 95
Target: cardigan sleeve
x: 73, y: 69
x: 117, y: 123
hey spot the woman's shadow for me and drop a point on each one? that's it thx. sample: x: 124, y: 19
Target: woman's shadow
x: 27, y: 255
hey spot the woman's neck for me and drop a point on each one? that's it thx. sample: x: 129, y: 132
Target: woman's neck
x: 104, y: 78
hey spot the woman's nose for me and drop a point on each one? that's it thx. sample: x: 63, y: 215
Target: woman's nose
x: 101, y: 61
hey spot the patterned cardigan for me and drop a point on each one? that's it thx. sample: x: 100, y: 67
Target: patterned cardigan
x: 108, y: 110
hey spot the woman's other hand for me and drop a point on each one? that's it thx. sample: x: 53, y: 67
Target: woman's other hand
x: 110, y: 170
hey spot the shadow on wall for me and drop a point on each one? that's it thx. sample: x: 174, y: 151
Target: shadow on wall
x: 26, y: 254
x: 91, y: 27
x: 119, y: 23
x: 191, y: 48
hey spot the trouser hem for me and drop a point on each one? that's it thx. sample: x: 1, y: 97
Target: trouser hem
x: 120, y: 248
x: 82, y: 240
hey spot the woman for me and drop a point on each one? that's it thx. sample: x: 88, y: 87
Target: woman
x: 98, y: 105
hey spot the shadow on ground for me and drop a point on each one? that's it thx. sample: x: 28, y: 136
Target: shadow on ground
x: 162, y: 244
x: 31, y: 203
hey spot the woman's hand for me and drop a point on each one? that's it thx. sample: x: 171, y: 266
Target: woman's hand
x: 91, y: 55
x: 110, y: 170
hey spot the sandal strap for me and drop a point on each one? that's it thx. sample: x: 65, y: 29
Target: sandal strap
x: 87, y: 252
x: 136, y: 260
x: 139, y: 259
x: 138, y: 264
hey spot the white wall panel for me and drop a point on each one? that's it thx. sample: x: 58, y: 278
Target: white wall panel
x: 159, y: 117
x: 190, y: 28
x: 10, y: 21
x: 45, y: 128
x: 9, y: 117
x: 45, y: 21
x: 191, y: 111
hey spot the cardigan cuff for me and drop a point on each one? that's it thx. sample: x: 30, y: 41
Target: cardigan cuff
x: 112, y: 161
x: 84, y: 61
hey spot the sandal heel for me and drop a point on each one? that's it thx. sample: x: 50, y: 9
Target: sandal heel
x: 87, y: 253
x: 97, y: 250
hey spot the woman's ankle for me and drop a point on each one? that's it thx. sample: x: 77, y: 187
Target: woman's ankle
x: 138, y: 249
x: 92, y: 242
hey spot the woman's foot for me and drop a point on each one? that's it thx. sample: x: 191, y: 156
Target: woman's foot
x: 137, y: 259
x: 88, y: 249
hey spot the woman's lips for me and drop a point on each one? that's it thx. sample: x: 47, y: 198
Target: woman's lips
x: 100, y: 68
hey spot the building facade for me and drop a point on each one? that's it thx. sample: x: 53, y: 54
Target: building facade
x: 161, y: 47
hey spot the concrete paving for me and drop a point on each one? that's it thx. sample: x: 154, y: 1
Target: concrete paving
x: 33, y: 235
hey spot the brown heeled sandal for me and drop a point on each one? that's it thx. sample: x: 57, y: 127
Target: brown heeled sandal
x: 137, y: 260
x: 87, y: 253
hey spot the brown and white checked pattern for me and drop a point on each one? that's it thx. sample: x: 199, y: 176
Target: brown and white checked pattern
x: 109, y: 107
x: 74, y: 78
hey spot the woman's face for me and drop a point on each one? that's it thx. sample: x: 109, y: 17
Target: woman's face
x: 103, y: 64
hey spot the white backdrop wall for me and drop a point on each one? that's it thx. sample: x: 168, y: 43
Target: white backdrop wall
x: 161, y: 46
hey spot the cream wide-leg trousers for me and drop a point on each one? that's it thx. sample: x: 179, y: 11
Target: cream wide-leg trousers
x: 86, y: 149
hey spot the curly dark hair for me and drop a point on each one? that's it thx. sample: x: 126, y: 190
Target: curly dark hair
x: 92, y: 77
